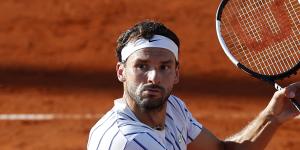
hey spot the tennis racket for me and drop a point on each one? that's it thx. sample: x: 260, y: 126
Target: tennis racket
x: 261, y: 37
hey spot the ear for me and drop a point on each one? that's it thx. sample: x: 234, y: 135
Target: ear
x: 120, y: 69
x: 176, y: 74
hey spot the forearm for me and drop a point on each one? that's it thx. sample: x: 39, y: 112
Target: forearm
x: 256, y: 135
x: 259, y: 132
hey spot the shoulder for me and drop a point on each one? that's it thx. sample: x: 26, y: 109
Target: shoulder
x: 175, y: 104
x: 178, y: 112
x: 104, y: 132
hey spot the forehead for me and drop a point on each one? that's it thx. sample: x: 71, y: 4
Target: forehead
x: 152, y: 54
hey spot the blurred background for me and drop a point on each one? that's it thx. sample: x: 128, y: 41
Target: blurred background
x: 57, y: 58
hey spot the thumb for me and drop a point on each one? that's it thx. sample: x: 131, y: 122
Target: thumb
x: 291, y: 90
x: 291, y: 94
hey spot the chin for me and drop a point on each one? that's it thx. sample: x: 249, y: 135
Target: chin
x: 152, y: 104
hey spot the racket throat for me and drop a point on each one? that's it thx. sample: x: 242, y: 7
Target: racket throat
x: 276, y: 86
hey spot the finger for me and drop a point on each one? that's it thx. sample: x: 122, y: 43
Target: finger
x: 280, y: 93
x: 290, y: 91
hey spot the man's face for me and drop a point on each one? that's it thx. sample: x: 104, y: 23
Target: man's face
x: 149, y: 75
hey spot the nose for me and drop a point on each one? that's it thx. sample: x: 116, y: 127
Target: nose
x: 153, y: 77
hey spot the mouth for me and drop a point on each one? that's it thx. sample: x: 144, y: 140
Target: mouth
x: 152, y: 91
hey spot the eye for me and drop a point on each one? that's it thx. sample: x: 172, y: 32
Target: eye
x: 164, y: 67
x: 141, y: 66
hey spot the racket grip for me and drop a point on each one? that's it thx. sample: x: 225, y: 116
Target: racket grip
x: 295, y: 103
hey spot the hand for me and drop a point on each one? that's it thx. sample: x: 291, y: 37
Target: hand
x: 280, y: 107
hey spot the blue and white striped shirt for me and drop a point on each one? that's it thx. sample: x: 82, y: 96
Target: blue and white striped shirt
x: 119, y: 129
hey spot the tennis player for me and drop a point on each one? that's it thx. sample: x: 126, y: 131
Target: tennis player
x: 149, y: 117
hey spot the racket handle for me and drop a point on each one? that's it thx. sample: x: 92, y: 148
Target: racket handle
x: 294, y: 102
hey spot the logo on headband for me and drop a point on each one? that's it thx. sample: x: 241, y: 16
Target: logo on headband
x: 154, y: 40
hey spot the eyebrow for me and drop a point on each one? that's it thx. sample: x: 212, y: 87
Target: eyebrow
x: 141, y: 61
x: 167, y: 62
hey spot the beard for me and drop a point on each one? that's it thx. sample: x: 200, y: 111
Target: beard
x: 148, y: 102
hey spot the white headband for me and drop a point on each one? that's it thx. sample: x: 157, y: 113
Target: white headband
x: 156, y: 41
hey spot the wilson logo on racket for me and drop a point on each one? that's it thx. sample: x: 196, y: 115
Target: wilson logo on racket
x: 259, y: 32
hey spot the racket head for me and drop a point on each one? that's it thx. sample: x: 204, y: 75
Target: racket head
x: 261, y: 37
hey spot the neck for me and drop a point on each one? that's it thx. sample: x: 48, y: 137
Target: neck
x: 153, y: 118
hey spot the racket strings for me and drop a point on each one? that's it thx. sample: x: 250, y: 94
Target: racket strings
x: 273, y: 60
x: 252, y: 26
x: 289, y: 54
x: 238, y: 44
x: 255, y: 17
x: 284, y: 61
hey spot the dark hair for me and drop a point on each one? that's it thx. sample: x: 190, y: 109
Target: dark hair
x: 145, y: 29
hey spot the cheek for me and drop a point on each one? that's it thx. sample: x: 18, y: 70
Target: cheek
x: 134, y: 84
x: 134, y: 75
x: 169, y: 84
x: 170, y: 79
x: 134, y: 80
x: 170, y: 87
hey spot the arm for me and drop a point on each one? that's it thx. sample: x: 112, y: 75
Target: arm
x: 255, y: 136
x: 260, y: 131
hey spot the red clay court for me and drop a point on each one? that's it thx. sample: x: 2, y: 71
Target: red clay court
x: 58, y: 60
